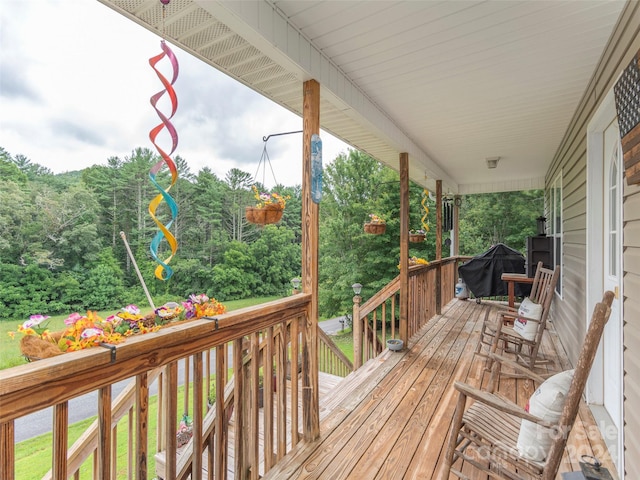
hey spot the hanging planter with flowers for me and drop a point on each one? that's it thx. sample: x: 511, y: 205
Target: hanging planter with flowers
x: 268, y: 209
x: 86, y: 331
x: 417, y: 236
x: 376, y: 225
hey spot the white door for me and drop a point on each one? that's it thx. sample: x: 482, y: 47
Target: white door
x: 612, y: 273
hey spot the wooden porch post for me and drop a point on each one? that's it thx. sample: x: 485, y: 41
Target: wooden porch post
x: 438, y: 219
x: 438, y: 246
x: 357, y: 333
x: 310, y: 228
x: 456, y: 227
x: 404, y: 247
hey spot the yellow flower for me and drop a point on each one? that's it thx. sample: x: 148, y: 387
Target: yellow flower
x: 269, y: 198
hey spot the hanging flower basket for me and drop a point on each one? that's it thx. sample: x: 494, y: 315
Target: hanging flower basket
x: 375, y: 228
x: 416, y: 237
x: 271, y: 213
x: 268, y: 209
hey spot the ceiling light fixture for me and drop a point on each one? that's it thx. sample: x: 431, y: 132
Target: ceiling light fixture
x: 492, y: 162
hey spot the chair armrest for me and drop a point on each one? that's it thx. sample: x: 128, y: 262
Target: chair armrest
x: 528, y: 319
x: 493, y: 401
x: 517, y: 367
x: 507, y: 311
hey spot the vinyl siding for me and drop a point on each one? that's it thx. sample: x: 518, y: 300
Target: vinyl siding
x: 571, y: 159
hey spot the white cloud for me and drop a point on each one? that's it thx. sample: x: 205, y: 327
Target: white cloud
x: 75, y: 84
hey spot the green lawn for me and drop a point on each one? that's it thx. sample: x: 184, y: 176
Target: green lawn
x: 33, y: 456
x: 344, y: 340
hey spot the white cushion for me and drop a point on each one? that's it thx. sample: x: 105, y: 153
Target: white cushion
x: 546, y: 403
x: 529, y: 309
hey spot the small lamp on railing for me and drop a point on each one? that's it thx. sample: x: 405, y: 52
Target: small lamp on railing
x: 295, y: 283
x: 542, y: 226
x: 357, y: 288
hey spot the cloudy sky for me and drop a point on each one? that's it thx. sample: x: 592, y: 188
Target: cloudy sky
x: 75, y: 84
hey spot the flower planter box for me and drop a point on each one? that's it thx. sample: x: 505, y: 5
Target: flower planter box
x: 375, y: 228
x: 266, y: 215
x: 416, y: 237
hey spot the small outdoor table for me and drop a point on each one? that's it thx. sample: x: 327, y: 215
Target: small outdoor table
x: 512, y: 279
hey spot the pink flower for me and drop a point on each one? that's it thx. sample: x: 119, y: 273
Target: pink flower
x: 201, y: 298
x: 34, y: 320
x: 91, y: 332
x: 72, y: 319
x: 113, y: 318
x: 132, y: 309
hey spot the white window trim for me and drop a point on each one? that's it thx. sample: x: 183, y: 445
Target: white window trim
x: 556, y: 231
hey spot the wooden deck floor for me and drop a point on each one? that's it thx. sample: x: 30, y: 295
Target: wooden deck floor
x: 390, y: 419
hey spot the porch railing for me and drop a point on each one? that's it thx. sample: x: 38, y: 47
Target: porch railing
x: 377, y: 320
x: 260, y: 348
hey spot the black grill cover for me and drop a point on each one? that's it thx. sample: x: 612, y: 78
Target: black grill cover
x: 482, y: 273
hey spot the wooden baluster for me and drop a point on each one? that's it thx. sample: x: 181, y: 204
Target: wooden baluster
x: 131, y: 444
x: 104, y: 433
x: 207, y: 371
x: 220, y: 449
x: 393, y: 316
x: 254, y: 369
x: 142, y: 429
x: 171, y: 418
x: 384, y: 324
x: 7, y: 450
x: 114, y: 452
x: 374, y: 334
x: 294, y: 366
x: 187, y: 368
x: 161, y: 443
x: 238, y: 406
x: 267, y: 411
x: 60, y: 437
x: 196, y: 456
x: 281, y: 393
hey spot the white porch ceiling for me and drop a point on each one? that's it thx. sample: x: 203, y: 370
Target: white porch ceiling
x: 449, y: 82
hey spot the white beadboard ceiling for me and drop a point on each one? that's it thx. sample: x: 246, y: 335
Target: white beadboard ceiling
x: 450, y: 82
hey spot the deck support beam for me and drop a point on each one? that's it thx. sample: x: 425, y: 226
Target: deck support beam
x: 404, y: 247
x: 310, y: 235
x: 438, y: 291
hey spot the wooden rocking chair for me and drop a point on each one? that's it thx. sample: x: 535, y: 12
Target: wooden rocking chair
x: 485, y: 435
x: 494, y: 331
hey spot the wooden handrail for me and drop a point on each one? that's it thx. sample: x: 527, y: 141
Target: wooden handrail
x: 338, y: 355
x: 25, y: 389
x: 430, y: 287
x: 275, y: 330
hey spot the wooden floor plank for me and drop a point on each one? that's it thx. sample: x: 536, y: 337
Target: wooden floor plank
x: 394, y: 422
x: 413, y: 413
x: 349, y: 444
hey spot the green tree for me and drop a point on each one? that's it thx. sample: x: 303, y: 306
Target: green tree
x: 277, y: 260
x: 491, y: 218
x: 103, y: 286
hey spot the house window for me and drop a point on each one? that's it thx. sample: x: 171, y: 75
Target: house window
x: 556, y: 226
x: 613, y: 215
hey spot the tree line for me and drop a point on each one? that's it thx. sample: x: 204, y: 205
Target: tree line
x: 61, y: 249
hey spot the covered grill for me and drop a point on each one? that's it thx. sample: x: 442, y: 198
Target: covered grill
x: 482, y: 274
